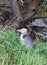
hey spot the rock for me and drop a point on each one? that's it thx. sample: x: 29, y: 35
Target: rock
x: 45, y: 20
x: 39, y: 23
x: 39, y: 28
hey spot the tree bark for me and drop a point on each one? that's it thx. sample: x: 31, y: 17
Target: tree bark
x: 16, y: 10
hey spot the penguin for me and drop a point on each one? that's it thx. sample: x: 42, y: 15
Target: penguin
x: 25, y: 37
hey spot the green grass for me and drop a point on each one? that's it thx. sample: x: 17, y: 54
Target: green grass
x: 42, y: 9
x: 12, y: 52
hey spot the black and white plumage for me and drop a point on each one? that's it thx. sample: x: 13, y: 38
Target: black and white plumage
x: 26, y: 38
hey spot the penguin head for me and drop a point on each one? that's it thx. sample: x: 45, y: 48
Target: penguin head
x: 23, y: 31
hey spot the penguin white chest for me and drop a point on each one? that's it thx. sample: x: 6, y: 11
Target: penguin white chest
x: 22, y: 39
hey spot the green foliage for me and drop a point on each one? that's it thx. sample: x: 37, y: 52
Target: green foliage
x: 40, y: 10
x: 45, y: 3
x: 12, y: 52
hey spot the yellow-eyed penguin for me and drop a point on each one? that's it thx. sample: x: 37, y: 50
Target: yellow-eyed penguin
x: 25, y: 37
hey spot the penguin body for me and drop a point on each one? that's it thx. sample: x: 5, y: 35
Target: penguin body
x: 27, y: 40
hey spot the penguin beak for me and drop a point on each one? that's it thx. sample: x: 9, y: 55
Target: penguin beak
x: 18, y: 30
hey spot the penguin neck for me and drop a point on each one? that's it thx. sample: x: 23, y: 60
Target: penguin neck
x: 21, y: 37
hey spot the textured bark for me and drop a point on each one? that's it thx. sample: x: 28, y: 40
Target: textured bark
x: 16, y: 10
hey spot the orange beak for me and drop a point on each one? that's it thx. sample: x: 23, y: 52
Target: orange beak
x: 18, y: 30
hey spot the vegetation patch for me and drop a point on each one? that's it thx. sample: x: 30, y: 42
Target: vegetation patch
x: 42, y: 10
x: 12, y: 52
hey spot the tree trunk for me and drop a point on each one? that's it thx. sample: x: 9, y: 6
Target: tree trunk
x: 16, y: 10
